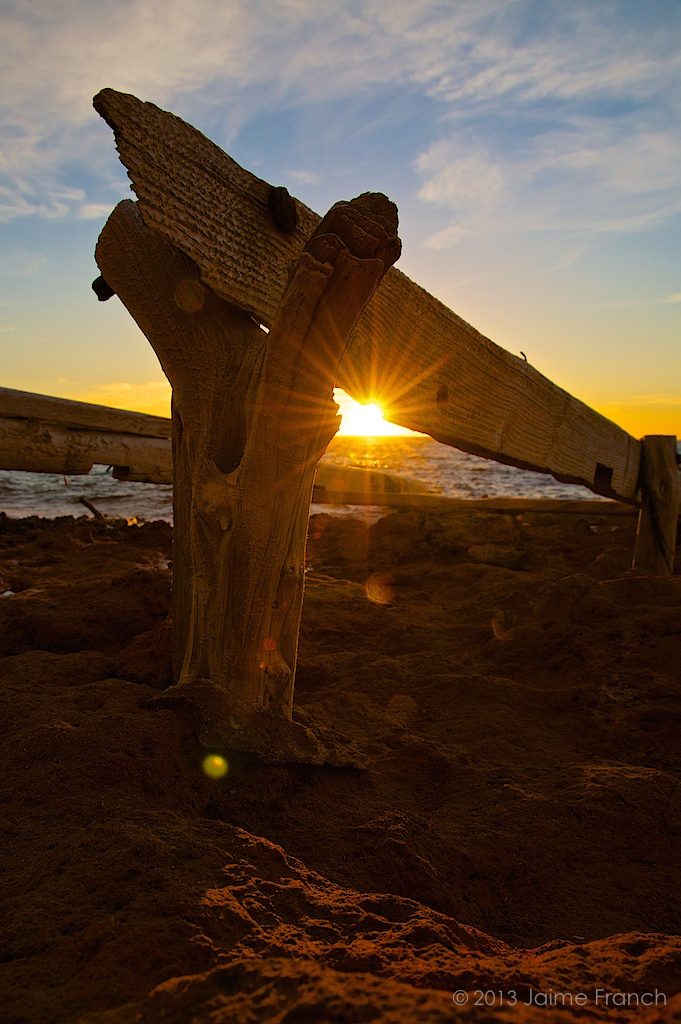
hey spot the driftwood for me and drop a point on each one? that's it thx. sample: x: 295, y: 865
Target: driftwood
x: 429, y: 369
x: 252, y: 415
x: 41, y: 434
x: 91, y: 508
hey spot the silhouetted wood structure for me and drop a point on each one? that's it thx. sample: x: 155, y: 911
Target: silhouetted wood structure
x: 431, y: 370
x: 658, y: 519
x: 252, y: 415
x: 41, y: 434
x: 207, y: 255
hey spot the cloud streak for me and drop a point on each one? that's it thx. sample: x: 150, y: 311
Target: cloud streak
x: 550, y: 136
x: 539, y: 122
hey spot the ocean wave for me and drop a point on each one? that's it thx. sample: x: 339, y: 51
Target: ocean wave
x: 440, y: 468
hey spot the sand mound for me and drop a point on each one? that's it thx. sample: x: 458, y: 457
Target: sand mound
x: 514, y: 691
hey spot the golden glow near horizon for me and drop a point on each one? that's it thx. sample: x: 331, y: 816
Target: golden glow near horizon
x: 645, y: 414
x: 153, y: 398
x: 639, y: 418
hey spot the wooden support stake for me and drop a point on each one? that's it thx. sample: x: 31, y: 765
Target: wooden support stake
x: 252, y: 416
x: 658, y: 518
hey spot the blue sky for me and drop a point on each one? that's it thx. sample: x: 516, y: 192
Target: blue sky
x: 533, y: 149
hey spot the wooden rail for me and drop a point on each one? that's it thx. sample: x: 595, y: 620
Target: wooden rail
x: 42, y: 434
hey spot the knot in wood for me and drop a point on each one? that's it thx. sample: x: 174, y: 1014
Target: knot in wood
x: 282, y: 209
x: 102, y: 289
x: 367, y: 226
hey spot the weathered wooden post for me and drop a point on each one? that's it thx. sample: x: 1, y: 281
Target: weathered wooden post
x: 658, y: 518
x: 252, y: 415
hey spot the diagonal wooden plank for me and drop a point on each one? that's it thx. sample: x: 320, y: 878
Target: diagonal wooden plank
x: 430, y: 370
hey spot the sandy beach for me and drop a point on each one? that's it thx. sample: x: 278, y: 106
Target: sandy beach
x: 510, y: 838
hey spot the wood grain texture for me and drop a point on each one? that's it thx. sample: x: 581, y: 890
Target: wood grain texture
x: 431, y: 370
x: 252, y: 415
x: 658, y: 518
x: 80, y: 415
x: 43, y: 434
x: 212, y: 355
x: 35, y: 446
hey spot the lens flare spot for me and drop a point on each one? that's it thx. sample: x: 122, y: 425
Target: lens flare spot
x: 215, y: 766
x: 500, y: 626
x: 190, y: 295
x: 379, y: 588
x: 269, y: 644
x: 402, y: 709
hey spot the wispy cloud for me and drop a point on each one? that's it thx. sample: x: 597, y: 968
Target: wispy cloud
x: 565, y: 124
x: 302, y: 177
x: 666, y: 300
x: 657, y: 401
x: 654, y: 413
x: 667, y: 400
x: 591, y: 176
x: 543, y: 116
x: 93, y: 211
x: 21, y: 263
x: 470, y: 178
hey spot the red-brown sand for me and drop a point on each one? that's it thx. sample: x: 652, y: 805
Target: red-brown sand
x: 515, y: 691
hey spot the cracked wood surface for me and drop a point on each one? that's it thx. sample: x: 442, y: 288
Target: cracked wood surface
x: 252, y: 415
x: 42, y: 434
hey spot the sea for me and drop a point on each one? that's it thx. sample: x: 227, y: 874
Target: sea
x: 438, y: 467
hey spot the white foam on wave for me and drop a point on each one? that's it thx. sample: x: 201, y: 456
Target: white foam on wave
x: 439, y: 467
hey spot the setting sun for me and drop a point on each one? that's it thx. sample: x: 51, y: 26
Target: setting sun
x: 365, y: 420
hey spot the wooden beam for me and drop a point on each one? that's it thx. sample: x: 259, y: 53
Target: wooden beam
x: 24, y: 405
x: 446, y: 503
x: 42, y: 434
x: 431, y: 370
x: 38, y: 446
x: 658, y: 518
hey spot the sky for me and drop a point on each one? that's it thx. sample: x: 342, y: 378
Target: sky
x: 533, y: 149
